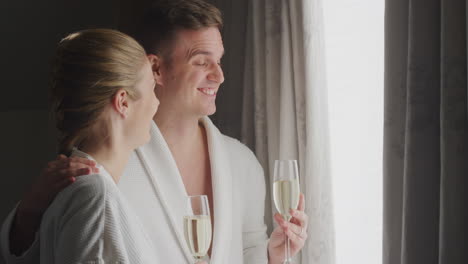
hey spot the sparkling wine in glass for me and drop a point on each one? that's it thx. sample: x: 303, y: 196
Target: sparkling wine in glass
x: 197, y: 226
x: 286, y: 193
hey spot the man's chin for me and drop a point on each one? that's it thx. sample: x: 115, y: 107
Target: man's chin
x: 209, y: 111
x: 212, y: 112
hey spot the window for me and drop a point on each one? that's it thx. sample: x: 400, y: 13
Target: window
x: 354, y: 37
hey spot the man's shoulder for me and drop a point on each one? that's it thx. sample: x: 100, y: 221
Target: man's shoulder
x: 237, y: 147
x: 240, y: 154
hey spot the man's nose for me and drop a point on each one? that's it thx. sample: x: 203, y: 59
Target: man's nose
x: 216, y: 75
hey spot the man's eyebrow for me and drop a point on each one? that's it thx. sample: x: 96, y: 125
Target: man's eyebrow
x: 202, y: 52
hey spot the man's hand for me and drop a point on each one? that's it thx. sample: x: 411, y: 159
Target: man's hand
x: 296, y: 230
x: 57, y: 175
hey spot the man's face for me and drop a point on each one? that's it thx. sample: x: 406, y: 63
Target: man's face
x: 191, y: 75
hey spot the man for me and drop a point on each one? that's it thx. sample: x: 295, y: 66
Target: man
x: 187, y: 155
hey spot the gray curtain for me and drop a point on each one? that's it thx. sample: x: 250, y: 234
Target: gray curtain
x: 285, y: 108
x: 425, y: 133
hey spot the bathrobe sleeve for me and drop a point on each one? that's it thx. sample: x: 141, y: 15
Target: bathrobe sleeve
x: 253, y: 191
x: 80, y: 230
x: 30, y: 256
x: 255, y: 239
x: 78, y: 223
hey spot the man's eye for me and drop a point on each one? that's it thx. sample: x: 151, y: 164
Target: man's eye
x: 200, y: 63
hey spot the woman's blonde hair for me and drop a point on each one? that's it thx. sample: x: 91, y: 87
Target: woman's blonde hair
x: 90, y: 67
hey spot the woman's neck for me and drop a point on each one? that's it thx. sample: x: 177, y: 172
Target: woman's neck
x: 113, y: 157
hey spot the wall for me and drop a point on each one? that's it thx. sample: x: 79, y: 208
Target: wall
x: 29, y: 32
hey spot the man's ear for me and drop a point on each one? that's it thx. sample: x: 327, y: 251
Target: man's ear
x: 120, y: 102
x: 156, y: 63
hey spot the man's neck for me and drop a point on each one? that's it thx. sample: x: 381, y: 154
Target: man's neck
x: 180, y: 132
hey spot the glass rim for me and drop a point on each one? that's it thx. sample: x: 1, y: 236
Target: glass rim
x: 287, y: 160
x: 198, y: 195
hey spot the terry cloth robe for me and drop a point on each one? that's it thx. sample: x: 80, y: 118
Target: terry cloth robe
x: 153, y: 187
x: 91, y: 222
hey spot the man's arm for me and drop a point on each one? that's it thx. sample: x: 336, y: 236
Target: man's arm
x: 295, y: 230
x: 257, y: 249
x: 254, y: 234
x: 25, y: 220
x: 29, y: 256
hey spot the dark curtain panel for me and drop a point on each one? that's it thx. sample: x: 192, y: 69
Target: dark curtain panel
x: 425, y: 133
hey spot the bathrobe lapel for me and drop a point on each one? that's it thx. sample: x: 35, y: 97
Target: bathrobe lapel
x: 222, y: 192
x: 167, y: 182
x: 165, y: 177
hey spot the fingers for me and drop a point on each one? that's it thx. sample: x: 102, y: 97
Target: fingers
x: 75, y: 162
x: 73, y: 167
x: 299, y: 218
x: 63, y: 162
x: 296, y: 234
x: 296, y: 238
x: 71, y: 172
x: 279, y: 219
x: 301, y: 205
x: 62, y: 170
x: 84, y: 161
x: 297, y: 229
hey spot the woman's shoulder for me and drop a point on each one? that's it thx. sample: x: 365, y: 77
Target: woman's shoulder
x: 88, y: 192
x: 89, y: 185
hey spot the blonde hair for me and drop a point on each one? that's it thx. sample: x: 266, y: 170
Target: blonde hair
x: 90, y: 67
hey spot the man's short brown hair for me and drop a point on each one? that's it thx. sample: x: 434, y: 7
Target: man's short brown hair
x: 165, y: 17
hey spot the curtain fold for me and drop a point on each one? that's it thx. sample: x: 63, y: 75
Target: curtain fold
x: 285, y: 107
x: 425, y: 133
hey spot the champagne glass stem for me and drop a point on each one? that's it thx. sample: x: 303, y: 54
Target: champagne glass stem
x: 287, y: 250
x: 287, y: 258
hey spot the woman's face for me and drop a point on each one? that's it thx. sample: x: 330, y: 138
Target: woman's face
x: 142, y: 109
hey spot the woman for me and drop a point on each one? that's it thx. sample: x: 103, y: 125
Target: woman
x: 104, y: 101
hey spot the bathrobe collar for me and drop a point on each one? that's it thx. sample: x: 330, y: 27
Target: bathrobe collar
x: 167, y: 182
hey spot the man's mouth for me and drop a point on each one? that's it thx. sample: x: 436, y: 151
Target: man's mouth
x: 208, y: 91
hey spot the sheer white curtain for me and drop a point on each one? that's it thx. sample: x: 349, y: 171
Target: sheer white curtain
x: 285, y: 107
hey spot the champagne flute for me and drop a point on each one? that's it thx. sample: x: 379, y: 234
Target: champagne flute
x: 197, y: 226
x: 286, y: 193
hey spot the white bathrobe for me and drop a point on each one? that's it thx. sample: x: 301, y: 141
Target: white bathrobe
x: 91, y: 222
x: 155, y: 191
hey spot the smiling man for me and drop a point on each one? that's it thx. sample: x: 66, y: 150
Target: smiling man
x: 187, y: 155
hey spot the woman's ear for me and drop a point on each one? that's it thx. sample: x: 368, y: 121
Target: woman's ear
x: 120, y: 102
x: 156, y: 62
